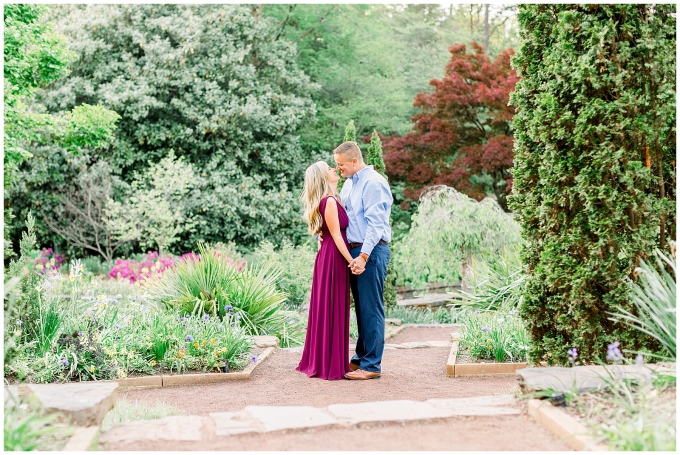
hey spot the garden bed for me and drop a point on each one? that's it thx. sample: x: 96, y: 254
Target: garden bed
x: 460, y: 363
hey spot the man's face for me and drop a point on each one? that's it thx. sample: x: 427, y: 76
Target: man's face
x: 346, y: 166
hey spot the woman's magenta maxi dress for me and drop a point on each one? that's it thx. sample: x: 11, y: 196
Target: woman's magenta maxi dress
x: 326, y: 351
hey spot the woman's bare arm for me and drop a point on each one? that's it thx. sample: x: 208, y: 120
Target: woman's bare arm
x: 333, y: 222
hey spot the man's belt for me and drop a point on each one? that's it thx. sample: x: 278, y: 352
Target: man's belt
x: 356, y: 245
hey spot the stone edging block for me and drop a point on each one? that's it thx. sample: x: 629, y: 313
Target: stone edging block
x: 472, y: 369
x: 568, y: 429
x: 82, y: 439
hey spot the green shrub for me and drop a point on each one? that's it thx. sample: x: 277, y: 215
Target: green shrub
x: 495, y: 335
x: 29, y: 427
x: 654, y: 297
x: 594, y: 170
x: 297, y: 265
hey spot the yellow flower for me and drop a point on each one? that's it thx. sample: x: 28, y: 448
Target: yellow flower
x: 92, y: 369
x: 147, y: 338
x: 196, y: 345
x: 145, y: 270
x: 224, y: 349
x: 213, y: 341
x: 488, y: 340
x: 38, y: 267
x: 100, y: 296
x: 489, y: 347
x: 149, y: 345
x: 152, y: 363
x: 73, y: 278
x: 204, y: 342
x: 217, y: 351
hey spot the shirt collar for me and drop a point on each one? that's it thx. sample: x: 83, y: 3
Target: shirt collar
x: 356, y: 176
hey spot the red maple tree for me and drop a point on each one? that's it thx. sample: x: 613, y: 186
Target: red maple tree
x: 463, y: 131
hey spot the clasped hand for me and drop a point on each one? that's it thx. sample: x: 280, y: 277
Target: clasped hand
x: 356, y: 265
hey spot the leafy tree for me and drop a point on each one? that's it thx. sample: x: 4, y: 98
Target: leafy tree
x: 159, y: 202
x: 462, y: 136
x: 213, y: 84
x: 83, y: 214
x: 34, y: 57
x: 350, y: 132
x: 594, y: 171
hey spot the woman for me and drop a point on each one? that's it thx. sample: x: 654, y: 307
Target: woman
x: 326, y: 351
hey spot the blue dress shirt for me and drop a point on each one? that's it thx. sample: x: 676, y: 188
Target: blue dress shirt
x: 368, y: 201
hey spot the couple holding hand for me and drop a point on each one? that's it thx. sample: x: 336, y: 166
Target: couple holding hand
x: 354, y: 233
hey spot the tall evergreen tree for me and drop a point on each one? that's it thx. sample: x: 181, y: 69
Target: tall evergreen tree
x: 594, y: 174
x: 350, y: 132
x: 374, y: 154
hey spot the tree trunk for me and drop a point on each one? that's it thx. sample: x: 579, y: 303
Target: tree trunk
x: 486, y: 28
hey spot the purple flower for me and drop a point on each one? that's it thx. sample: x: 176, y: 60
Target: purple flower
x: 573, y: 353
x: 228, y: 307
x: 513, y: 312
x: 118, y: 326
x: 187, y: 316
x: 189, y: 338
x: 80, y: 333
x: 206, y: 317
x: 18, y: 322
x: 639, y: 360
x: 614, y: 353
x: 238, y: 317
x: 64, y: 362
x: 231, y: 324
x: 485, y: 329
x: 476, y: 311
x: 254, y: 359
x: 231, y: 312
x: 220, y: 326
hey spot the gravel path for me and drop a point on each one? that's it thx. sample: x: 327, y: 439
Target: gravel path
x: 407, y: 374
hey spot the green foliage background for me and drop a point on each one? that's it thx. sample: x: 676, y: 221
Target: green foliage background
x: 597, y: 89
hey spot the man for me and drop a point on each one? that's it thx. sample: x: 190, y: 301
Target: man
x: 368, y: 200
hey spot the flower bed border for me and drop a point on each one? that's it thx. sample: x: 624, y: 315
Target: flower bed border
x: 145, y: 382
x: 476, y: 369
x: 568, y: 429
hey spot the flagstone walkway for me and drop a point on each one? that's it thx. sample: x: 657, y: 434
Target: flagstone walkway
x: 414, y: 406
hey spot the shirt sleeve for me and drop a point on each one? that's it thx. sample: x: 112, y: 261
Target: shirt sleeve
x: 377, y: 202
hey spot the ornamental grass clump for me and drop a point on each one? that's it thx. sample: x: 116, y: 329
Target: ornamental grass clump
x: 215, y: 285
x: 494, y: 335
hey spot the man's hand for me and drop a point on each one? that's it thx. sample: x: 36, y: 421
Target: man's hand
x: 358, y: 265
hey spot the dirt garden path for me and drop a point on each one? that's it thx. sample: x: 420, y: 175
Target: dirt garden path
x: 408, y: 374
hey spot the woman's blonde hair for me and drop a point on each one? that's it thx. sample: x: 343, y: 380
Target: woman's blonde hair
x: 317, y: 186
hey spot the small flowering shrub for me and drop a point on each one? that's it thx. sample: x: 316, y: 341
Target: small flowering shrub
x: 494, y: 335
x: 46, y: 260
x: 153, y: 265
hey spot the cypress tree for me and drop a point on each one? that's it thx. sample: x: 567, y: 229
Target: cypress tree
x: 374, y: 154
x: 594, y: 172
x: 350, y: 132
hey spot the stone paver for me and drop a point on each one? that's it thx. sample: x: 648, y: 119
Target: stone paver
x: 11, y: 395
x: 85, y: 402
x: 275, y: 418
x: 477, y: 406
x: 386, y: 411
x: 175, y: 428
x: 231, y: 423
x: 266, y: 341
x: 582, y: 378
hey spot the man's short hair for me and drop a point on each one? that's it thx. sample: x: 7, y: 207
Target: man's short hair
x: 349, y: 150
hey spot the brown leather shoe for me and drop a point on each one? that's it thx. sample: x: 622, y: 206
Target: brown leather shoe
x: 362, y: 374
x: 353, y: 366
